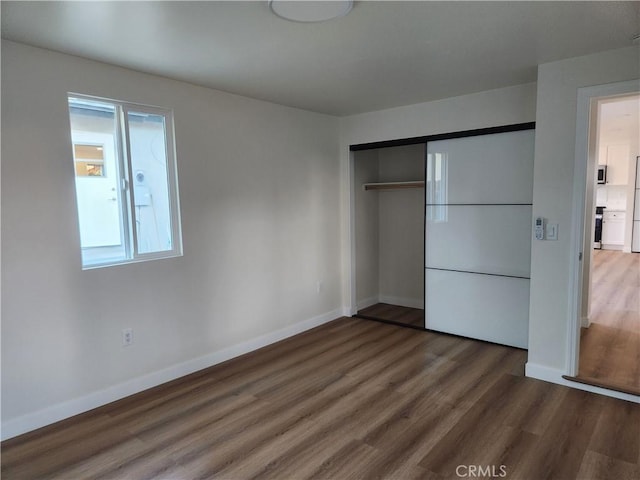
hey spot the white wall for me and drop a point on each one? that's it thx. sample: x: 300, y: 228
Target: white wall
x: 558, y: 84
x: 259, y: 190
x: 503, y: 106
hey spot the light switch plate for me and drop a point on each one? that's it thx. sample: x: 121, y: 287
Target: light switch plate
x: 552, y: 231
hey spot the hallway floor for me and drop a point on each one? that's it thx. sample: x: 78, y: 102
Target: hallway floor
x: 610, y: 347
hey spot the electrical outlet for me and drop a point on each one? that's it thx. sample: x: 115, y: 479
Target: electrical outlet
x: 127, y: 336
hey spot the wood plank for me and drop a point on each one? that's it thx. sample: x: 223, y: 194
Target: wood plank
x: 596, y: 466
x: 560, y: 450
x: 348, y: 462
x: 403, y: 442
x: 350, y: 399
x: 483, y: 432
x: 617, y: 433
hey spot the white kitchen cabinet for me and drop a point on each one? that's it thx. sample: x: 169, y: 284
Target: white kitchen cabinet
x: 613, y: 228
x: 617, y: 164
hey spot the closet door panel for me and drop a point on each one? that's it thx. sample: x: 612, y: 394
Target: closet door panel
x: 486, y: 307
x: 485, y: 169
x: 479, y: 238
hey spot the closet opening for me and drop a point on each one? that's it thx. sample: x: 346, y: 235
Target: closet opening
x: 389, y: 210
x: 441, y: 232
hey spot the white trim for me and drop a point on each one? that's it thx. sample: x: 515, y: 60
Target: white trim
x: 585, y: 322
x: 553, y: 375
x: 585, y: 97
x: 577, y: 230
x: 367, y: 302
x: 352, y: 234
x: 403, y: 302
x: 60, y: 411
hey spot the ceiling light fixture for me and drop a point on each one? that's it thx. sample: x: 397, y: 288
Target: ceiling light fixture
x: 308, y: 11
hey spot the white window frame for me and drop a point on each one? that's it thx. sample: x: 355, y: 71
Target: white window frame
x: 125, y: 174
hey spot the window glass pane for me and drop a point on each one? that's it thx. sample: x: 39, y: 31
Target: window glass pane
x: 152, y: 212
x: 89, y: 160
x: 99, y: 197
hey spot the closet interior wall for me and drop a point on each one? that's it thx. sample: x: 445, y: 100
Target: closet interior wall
x: 390, y: 235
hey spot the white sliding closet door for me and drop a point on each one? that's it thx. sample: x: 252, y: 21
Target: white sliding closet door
x: 479, y: 192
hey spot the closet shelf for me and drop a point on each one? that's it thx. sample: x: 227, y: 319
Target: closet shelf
x: 393, y: 185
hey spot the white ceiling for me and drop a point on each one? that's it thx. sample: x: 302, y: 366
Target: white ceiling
x: 381, y: 55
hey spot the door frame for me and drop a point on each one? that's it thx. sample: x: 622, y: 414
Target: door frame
x: 586, y: 128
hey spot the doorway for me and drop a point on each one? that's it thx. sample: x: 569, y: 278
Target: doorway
x: 606, y: 328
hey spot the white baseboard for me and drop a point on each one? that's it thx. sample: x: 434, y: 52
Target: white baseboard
x: 553, y: 375
x: 402, y: 302
x: 585, y: 322
x: 60, y: 411
x: 346, y: 312
x: 366, y: 302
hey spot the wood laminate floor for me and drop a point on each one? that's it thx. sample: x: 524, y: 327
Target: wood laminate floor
x: 394, y: 313
x: 610, y: 347
x: 350, y: 399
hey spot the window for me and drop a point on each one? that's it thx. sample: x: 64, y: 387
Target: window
x: 126, y: 182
